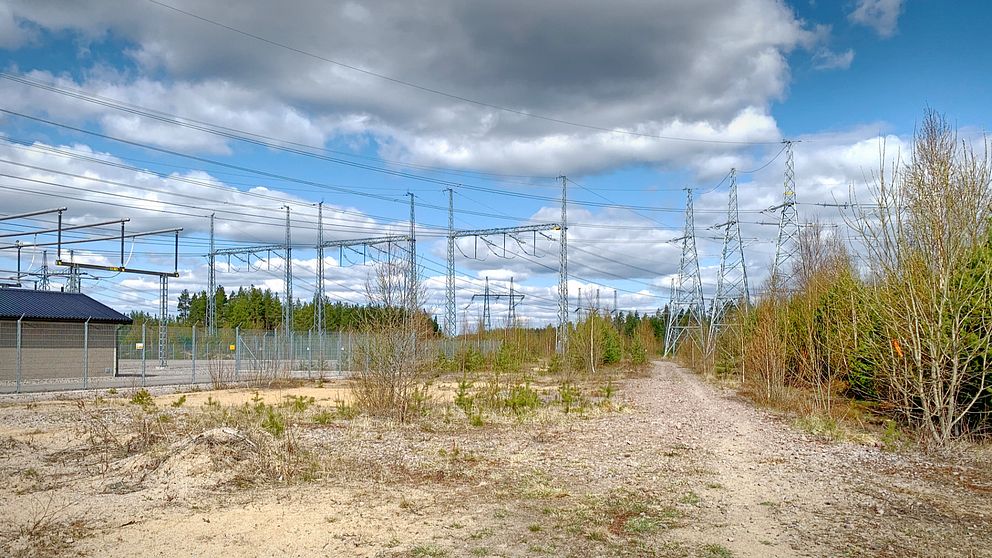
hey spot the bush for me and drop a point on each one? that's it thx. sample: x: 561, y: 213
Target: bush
x: 612, y: 351
x: 522, y: 398
x: 636, y: 352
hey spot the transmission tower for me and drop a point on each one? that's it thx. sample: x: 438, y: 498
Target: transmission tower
x: 787, y: 245
x: 487, y: 296
x: 44, y: 271
x: 212, y: 283
x: 485, y: 307
x: 731, y: 285
x: 450, y: 324
x: 563, y: 271
x: 511, y: 308
x: 287, y: 311
x: 318, y: 309
x: 511, y: 232
x: 685, y: 313
x: 163, y: 318
x: 412, y: 301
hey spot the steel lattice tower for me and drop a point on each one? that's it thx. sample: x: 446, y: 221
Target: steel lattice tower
x: 450, y: 318
x: 731, y: 285
x: 511, y: 309
x: 45, y: 283
x: 318, y: 310
x: 686, y: 310
x: 74, y: 285
x: 288, y: 303
x: 163, y: 318
x: 412, y: 301
x: 212, y: 283
x: 563, y: 271
x: 787, y: 245
x: 486, y: 320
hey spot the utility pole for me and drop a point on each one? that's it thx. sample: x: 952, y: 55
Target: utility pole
x: 412, y: 302
x: 450, y: 317
x: 487, y: 295
x: 212, y: 283
x: 74, y: 285
x: 163, y: 318
x: 787, y: 245
x: 731, y: 286
x: 453, y: 235
x: 318, y: 311
x: 563, y: 270
x: 485, y: 308
x: 44, y: 271
x: 687, y: 291
x: 511, y: 312
x: 288, y: 303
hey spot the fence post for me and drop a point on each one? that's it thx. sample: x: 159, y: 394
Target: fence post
x: 142, y: 354
x: 309, y: 352
x: 192, y: 379
x: 19, y: 353
x: 275, y: 350
x: 237, y: 351
x: 292, y: 352
x: 86, y: 353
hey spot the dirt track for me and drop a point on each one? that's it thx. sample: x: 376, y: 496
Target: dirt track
x: 783, y: 493
x: 684, y: 470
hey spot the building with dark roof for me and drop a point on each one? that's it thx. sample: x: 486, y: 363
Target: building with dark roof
x: 55, y: 328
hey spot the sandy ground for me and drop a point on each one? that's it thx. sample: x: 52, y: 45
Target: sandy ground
x: 679, y: 469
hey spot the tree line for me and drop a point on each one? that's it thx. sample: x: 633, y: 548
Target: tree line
x: 900, y: 320
x: 262, y: 309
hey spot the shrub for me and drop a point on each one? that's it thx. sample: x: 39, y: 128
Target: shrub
x: 143, y: 399
x: 273, y: 422
x: 612, y: 351
x: 522, y: 398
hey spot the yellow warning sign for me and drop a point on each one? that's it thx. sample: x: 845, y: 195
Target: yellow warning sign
x: 232, y: 347
x: 139, y: 346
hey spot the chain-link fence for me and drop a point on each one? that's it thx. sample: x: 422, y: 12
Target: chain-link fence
x: 47, y: 356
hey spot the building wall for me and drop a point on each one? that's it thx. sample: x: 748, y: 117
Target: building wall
x: 55, y: 350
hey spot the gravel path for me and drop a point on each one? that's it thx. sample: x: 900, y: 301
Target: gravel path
x: 774, y: 491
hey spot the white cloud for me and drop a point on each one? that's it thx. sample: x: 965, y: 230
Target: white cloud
x: 700, y: 69
x: 880, y: 15
x: 826, y: 59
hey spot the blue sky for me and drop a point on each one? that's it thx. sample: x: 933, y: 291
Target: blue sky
x: 708, y: 86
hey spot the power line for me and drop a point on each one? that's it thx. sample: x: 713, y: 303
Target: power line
x: 251, y: 137
x: 447, y: 94
x: 349, y: 191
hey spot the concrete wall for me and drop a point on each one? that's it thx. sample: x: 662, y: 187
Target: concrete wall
x: 55, y: 350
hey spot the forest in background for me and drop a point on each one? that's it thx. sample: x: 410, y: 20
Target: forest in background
x: 900, y: 320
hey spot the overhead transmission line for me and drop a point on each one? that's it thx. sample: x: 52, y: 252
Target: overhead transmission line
x: 210, y: 127
x: 448, y: 94
x: 350, y: 191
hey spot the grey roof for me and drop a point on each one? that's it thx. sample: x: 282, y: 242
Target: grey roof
x: 53, y: 306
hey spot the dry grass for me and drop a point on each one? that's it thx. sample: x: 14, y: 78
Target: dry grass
x: 49, y: 530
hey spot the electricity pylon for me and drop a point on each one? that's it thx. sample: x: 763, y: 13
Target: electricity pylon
x: 787, y: 244
x: 731, y: 284
x: 686, y: 309
x: 512, y: 232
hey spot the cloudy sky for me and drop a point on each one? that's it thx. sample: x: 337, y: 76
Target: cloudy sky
x: 166, y: 112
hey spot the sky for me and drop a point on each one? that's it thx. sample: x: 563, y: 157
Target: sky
x: 166, y: 112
